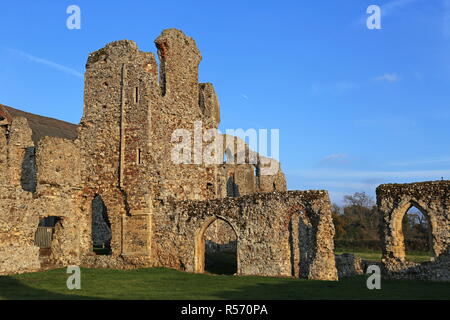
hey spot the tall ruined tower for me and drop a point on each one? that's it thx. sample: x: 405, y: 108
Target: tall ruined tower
x: 120, y: 89
x: 126, y: 129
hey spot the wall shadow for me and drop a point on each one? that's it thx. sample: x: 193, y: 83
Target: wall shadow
x: 353, y: 288
x: 13, y: 289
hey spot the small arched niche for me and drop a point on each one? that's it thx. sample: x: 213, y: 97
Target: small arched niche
x: 232, y: 187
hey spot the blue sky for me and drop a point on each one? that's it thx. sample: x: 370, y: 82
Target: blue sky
x: 355, y: 107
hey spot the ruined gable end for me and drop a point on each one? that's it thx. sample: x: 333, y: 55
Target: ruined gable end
x: 119, y: 51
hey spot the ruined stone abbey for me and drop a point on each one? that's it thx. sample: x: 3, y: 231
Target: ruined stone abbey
x: 111, y: 182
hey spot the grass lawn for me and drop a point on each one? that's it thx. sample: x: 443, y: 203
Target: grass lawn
x: 376, y: 255
x: 161, y: 283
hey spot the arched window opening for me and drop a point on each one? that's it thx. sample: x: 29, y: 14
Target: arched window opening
x: 101, y: 227
x: 220, y: 248
x: 232, y: 187
x: 417, y: 235
x: 228, y: 157
x: 257, y: 176
x: 210, y: 190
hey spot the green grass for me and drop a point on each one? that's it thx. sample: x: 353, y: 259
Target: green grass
x: 161, y: 283
x: 414, y: 256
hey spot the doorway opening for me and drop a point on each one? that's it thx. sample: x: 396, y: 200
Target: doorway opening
x: 417, y: 237
x: 217, y: 248
x: 101, y: 227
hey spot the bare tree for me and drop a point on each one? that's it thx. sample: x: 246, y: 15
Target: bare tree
x: 359, y: 199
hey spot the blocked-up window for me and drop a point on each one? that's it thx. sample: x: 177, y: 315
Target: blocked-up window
x: 45, y: 231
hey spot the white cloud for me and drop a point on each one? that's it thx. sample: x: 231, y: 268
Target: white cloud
x: 343, y: 182
x: 392, y: 6
x: 388, y: 77
x: 337, y: 196
x: 48, y: 63
x: 336, y: 158
x: 356, y: 186
x: 419, y: 162
x: 366, y: 175
x: 389, y: 9
x: 395, y: 123
x: 340, y: 182
x: 339, y: 87
x: 344, y: 86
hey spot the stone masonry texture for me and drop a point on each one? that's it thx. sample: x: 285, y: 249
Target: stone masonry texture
x: 111, y: 181
x: 433, y: 200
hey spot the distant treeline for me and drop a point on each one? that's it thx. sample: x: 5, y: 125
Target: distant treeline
x: 357, y: 226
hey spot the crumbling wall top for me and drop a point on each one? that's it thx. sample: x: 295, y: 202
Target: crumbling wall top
x: 179, y: 59
x: 418, y: 190
x: 121, y: 51
x: 173, y: 40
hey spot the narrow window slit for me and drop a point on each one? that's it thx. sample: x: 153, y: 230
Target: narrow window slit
x: 136, y: 95
x: 139, y: 156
